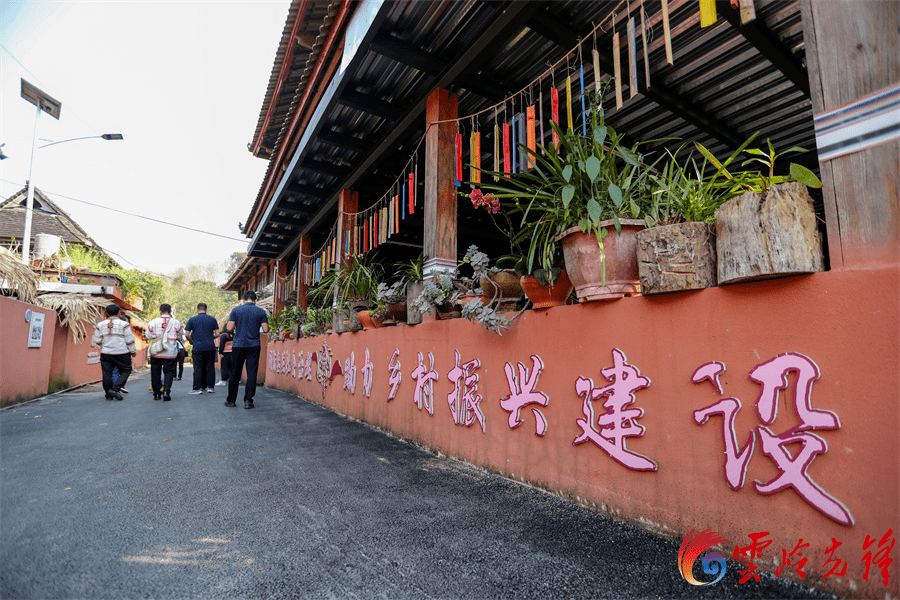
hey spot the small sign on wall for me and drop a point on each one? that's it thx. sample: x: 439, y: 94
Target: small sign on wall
x: 36, y: 331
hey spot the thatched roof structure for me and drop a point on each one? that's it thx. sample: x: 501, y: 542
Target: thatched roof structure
x: 78, y: 312
x: 16, y: 278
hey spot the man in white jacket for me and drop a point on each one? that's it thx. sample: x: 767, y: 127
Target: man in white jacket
x: 163, y: 364
x: 114, y: 338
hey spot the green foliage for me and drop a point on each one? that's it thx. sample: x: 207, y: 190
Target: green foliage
x: 412, y: 270
x: 357, y: 280
x: 581, y: 182
x: 768, y: 159
x: 184, y: 298
x: 436, y: 291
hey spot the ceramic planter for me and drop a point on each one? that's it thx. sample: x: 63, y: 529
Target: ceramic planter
x: 584, y: 266
x: 675, y: 258
x: 367, y: 321
x: 761, y: 236
x: 504, y: 286
x: 546, y: 296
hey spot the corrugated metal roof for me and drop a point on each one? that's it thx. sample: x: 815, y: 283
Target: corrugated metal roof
x: 726, y: 83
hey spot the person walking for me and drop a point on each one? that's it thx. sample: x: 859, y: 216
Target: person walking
x: 226, y: 343
x: 179, y: 359
x: 115, y: 339
x: 162, y: 364
x: 115, y: 372
x: 245, y: 321
x: 202, y: 330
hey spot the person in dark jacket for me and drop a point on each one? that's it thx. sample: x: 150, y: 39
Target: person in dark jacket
x: 202, y: 330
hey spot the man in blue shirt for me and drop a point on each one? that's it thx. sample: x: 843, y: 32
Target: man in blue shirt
x: 245, y: 321
x: 202, y: 331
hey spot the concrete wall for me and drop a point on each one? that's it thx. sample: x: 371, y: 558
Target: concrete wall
x: 70, y: 360
x: 839, y: 325
x: 24, y: 371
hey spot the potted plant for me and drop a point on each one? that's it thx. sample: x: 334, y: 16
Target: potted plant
x: 349, y: 289
x: 679, y: 252
x: 771, y: 232
x: 412, y: 272
x: 576, y: 193
x: 435, y: 296
x: 391, y: 302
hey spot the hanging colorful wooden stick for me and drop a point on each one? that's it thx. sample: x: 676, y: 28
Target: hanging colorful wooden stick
x: 522, y: 133
x: 459, y: 168
x: 583, y: 114
x: 667, y: 32
x: 403, y: 202
x: 554, y: 113
x: 569, y: 102
x: 412, y: 193
x: 515, y: 161
x: 476, y: 156
x: 596, y: 70
x: 376, y: 230
x: 386, y: 219
x: 707, y: 13
x: 529, y: 115
x: 541, y: 117
x: 496, y: 147
x: 748, y: 11
x: 632, y: 60
x: 397, y: 213
x: 506, y: 151
x: 617, y: 70
x: 646, y: 58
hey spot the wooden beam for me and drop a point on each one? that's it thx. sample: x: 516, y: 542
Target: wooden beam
x: 371, y: 105
x: 325, y: 168
x: 440, y: 177
x: 767, y: 44
x: 408, y: 54
x: 299, y: 189
x: 344, y: 141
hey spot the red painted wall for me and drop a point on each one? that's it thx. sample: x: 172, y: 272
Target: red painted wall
x: 70, y: 360
x: 24, y: 371
x: 845, y: 321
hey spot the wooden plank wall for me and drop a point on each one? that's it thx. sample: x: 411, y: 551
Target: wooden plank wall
x: 852, y: 50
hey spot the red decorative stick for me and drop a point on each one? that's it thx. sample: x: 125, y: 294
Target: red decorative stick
x: 554, y: 112
x: 507, y: 156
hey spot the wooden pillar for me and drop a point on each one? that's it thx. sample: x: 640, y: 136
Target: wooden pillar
x: 853, y: 52
x: 348, y: 205
x: 279, y: 287
x: 303, y: 289
x: 440, y: 183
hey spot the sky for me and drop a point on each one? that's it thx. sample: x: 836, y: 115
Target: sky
x: 182, y: 81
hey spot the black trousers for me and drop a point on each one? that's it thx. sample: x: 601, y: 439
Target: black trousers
x: 225, y: 366
x: 162, y: 372
x: 238, y: 357
x: 182, y: 354
x: 204, y: 368
x: 108, y: 362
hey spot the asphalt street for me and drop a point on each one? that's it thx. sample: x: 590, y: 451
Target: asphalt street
x: 190, y: 499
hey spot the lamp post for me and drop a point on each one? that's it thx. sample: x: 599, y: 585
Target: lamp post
x: 52, y: 107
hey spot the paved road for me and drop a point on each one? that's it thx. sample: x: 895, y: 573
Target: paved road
x: 190, y: 499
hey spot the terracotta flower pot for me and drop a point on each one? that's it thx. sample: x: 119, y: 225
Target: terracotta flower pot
x: 545, y: 296
x: 368, y: 322
x: 584, y: 264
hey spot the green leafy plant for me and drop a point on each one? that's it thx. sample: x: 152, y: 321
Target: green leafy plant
x: 356, y: 280
x: 437, y: 291
x: 694, y: 192
x: 412, y: 270
x: 768, y: 160
x: 582, y: 181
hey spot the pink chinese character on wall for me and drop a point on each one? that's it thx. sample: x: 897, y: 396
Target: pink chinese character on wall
x: 423, y: 395
x: 367, y: 372
x: 394, y: 370
x: 610, y: 429
x: 793, y: 464
x: 294, y: 364
x: 308, y: 366
x: 350, y: 374
x: 522, y: 394
x: 464, y: 400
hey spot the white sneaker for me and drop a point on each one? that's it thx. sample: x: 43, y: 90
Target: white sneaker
x: 221, y: 383
x: 210, y: 391
x: 195, y: 392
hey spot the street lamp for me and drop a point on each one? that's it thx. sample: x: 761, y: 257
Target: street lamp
x: 52, y: 107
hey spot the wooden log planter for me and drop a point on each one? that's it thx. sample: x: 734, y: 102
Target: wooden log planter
x: 675, y: 258
x: 765, y: 236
